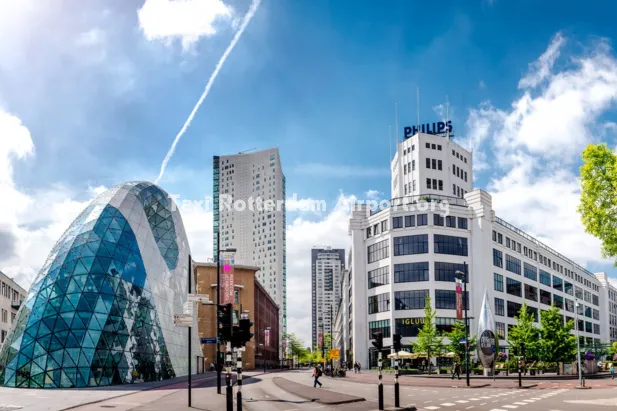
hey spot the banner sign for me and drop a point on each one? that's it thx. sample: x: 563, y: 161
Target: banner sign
x: 227, y: 278
x: 320, y: 340
x: 334, y: 354
x: 459, y: 302
x: 267, y: 338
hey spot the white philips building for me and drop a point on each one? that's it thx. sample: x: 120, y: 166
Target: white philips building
x: 243, y: 186
x: 11, y: 297
x: 327, y: 266
x: 436, y: 224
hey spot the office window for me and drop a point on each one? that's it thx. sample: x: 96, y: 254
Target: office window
x: 499, y: 307
x: 433, y: 146
x: 531, y: 272
x: 513, y: 264
x: 465, y: 175
x: 446, y: 299
x: 451, y: 221
x: 594, y: 300
x: 434, y: 162
x: 568, y: 288
x: 501, y: 330
x: 428, y: 183
x: 5, y: 317
x: 500, y: 238
x: 236, y: 297
x: 428, y: 145
x: 587, y: 312
x: 422, y: 219
x: 439, y: 149
x: 434, y: 184
x: 545, y: 297
x: 498, y: 282
x: 494, y: 235
x: 379, y: 303
x: 382, y: 327
x: 545, y: 278
x: 440, y: 185
x: 569, y: 305
x: 446, y: 244
x: 596, y: 314
x: 497, y: 258
x: 413, y: 164
x: 462, y: 223
x: 514, y: 287
x: 596, y: 329
x: 379, y: 276
x: 508, y: 242
x: 453, y: 189
x: 410, y: 220
x: 531, y: 293
x: 410, y: 300
x: 397, y: 222
x: 446, y: 271
x: 558, y: 300
x: 411, y: 272
x: 378, y: 251
x: 439, y: 165
x: 384, y: 226
x: 2, y: 336
x: 557, y: 283
x: 368, y: 232
x: 513, y: 309
x: 588, y: 327
x: 438, y: 220
x: 411, y: 244
x: 428, y: 163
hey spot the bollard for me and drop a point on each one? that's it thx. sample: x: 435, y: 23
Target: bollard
x: 239, y: 395
x: 380, y: 387
x: 229, y: 389
x: 396, y: 391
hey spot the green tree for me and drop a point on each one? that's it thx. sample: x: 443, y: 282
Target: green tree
x: 557, y: 343
x: 613, y: 350
x: 455, y: 336
x: 429, y: 340
x: 524, y: 332
x: 598, y: 205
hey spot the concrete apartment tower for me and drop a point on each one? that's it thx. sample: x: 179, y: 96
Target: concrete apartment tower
x: 243, y: 184
x: 327, y: 266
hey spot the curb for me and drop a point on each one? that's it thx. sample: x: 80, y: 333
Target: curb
x: 351, y: 399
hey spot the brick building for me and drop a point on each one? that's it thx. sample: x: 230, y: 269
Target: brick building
x: 249, y: 296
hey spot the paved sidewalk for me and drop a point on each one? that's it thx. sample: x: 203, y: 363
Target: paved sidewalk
x: 318, y: 395
x: 439, y: 381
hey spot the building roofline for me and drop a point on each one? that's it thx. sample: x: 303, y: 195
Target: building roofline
x: 213, y: 265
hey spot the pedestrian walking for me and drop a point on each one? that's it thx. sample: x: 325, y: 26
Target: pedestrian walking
x: 612, y: 371
x: 456, y: 371
x: 316, y: 374
x: 359, y: 368
x: 355, y: 367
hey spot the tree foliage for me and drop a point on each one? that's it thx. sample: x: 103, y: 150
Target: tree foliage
x: 296, y: 348
x: 598, y: 205
x: 524, y: 332
x: 429, y: 340
x: 557, y: 343
x: 455, y: 336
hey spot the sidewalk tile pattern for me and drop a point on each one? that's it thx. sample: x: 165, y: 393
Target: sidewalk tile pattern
x: 91, y: 318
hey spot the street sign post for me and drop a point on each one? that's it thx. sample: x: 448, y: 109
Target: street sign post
x: 334, y: 354
x: 183, y: 320
x: 199, y: 298
x: 208, y: 340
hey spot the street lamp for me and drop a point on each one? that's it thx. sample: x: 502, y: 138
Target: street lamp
x: 218, y: 302
x: 578, y: 344
x: 462, y: 276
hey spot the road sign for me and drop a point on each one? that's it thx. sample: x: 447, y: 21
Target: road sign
x: 334, y: 354
x: 199, y: 298
x: 208, y: 340
x: 183, y: 320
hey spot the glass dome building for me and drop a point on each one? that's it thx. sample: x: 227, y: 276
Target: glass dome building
x: 100, y: 311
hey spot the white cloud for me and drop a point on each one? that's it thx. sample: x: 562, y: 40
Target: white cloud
x: 187, y: 20
x: 373, y: 194
x: 302, y: 235
x: 536, y: 144
x: 482, y: 84
x: 540, y: 69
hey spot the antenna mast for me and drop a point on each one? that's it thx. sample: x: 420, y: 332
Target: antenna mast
x: 447, y: 117
x: 418, y: 106
x: 396, y: 123
x: 390, y: 142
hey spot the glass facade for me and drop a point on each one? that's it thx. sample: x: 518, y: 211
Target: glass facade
x: 100, y: 311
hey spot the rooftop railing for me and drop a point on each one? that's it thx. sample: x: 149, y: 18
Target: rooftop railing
x: 411, y: 200
x: 542, y: 245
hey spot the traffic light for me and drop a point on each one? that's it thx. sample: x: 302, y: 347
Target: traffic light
x: 245, y: 330
x: 396, y: 342
x: 225, y: 315
x: 378, y: 343
x: 236, y: 337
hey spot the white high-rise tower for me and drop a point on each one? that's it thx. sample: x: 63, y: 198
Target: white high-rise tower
x: 256, y: 231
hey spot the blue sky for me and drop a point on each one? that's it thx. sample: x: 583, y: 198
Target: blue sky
x: 103, y: 91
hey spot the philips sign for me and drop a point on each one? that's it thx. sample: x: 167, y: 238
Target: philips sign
x: 429, y: 128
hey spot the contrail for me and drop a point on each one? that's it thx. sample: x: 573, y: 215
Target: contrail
x: 247, y: 19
